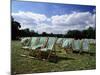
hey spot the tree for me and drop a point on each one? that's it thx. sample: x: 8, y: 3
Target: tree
x: 74, y: 34
x: 89, y: 33
x: 14, y: 29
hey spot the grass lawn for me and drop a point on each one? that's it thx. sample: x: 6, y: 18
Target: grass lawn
x: 66, y: 62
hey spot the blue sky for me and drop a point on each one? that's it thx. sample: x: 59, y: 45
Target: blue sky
x: 52, y: 15
x: 49, y: 9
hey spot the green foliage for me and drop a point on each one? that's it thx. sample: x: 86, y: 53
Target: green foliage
x: 14, y: 29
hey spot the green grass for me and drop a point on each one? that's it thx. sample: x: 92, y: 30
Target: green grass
x: 66, y: 62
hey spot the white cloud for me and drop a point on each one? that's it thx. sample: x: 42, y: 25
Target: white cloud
x: 75, y: 18
x: 29, y: 19
x: 56, y: 23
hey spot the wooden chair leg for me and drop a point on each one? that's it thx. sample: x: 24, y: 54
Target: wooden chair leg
x: 38, y: 55
x: 49, y: 55
x: 55, y: 56
x: 65, y: 50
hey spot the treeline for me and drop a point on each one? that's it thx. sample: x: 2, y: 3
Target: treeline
x: 16, y: 32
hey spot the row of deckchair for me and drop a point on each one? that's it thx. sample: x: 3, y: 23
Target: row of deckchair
x: 48, y: 44
x: 63, y: 42
x: 42, y: 44
x: 75, y: 45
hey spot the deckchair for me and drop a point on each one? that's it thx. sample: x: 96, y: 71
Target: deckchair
x: 41, y: 43
x: 77, y: 45
x: 33, y: 42
x: 92, y: 45
x: 67, y: 44
x: 59, y: 41
x: 25, y: 41
x: 92, y: 41
x: 70, y: 42
x: 50, y: 47
x: 85, y: 45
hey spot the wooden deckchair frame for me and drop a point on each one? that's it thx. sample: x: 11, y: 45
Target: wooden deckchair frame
x: 80, y: 50
x: 54, y: 50
x: 50, y: 51
x: 84, y: 49
x: 68, y: 48
x: 39, y: 52
x: 60, y: 42
x: 28, y: 48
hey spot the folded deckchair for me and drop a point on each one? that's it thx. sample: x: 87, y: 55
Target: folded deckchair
x: 50, y: 47
x: 85, y: 45
x: 77, y: 45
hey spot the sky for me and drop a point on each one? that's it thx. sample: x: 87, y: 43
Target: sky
x: 53, y: 17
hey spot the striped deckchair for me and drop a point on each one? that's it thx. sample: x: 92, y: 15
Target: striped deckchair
x: 50, y: 47
x: 33, y: 42
x: 85, y: 45
x: 67, y: 44
x: 92, y: 41
x: 25, y: 41
x: 77, y: 45
x: 41, y: 43
x: 59, y: 41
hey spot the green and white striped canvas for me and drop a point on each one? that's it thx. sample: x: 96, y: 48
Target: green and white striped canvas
x: 50, y: 44
x: 76, y: 45
x: 85, y: 45
x: 42, y: 41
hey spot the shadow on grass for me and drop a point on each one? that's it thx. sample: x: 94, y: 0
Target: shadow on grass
x: 90, y: 53
x: 56, y: 59
x: 65, y: 58
x: 84, y: 52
